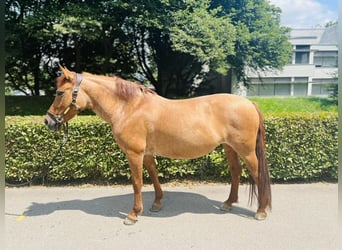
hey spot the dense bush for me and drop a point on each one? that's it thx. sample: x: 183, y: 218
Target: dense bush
x: 300, y: 147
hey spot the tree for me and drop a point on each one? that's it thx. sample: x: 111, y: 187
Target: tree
x: 169, y: 43
x: 23, y: 54
x: 41, y: 34
x: 261, y: 43
x: 175, y: 39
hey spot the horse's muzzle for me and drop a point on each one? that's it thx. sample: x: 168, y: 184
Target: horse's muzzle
x: 52, y: 123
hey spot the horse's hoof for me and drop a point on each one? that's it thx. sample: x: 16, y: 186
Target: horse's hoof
x: 225, y: 207
x: 130, y: 221
x: 260, y: 216
x: 156, y: 207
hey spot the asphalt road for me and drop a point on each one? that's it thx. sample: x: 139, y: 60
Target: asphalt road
x: 304, y: 216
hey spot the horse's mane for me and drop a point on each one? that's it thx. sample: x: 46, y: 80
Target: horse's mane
x: 127, y: 90
x: 124, y: 89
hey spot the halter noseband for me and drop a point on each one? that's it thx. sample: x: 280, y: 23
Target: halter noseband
x: 59, y: 119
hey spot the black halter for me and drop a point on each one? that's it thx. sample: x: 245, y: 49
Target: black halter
x: 59, y: 119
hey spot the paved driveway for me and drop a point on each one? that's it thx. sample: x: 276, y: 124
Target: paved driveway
x: 303, y: 217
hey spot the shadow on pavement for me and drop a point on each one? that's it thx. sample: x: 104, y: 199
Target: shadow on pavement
x: 175, y: 203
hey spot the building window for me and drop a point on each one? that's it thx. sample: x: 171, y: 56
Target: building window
x: 279, y: 86
x: 322, y: 86
x: 300, y: 86
x: 303, y: 47
x: 266, y: 89
x: 300, y: 89
x: 319, y: 89
x: 282, y: 89
x: 302, y: 54
x: 302, y: 58
x: 325, y: 58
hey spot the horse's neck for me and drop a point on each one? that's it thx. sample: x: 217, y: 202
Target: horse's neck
x: 104, y: 101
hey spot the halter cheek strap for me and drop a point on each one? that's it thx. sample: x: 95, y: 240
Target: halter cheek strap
x: 79, y: 78
x: 60, y: 118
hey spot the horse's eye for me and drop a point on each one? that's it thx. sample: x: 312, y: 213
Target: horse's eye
x: 59, y: 93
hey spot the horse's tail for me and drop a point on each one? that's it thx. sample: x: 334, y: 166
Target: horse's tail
x: 264, y: 183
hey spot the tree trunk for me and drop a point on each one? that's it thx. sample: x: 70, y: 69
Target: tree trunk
x: 77, y: 55
x: 36, y: 76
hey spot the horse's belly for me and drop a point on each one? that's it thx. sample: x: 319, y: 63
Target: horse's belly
x: 183, y: 153
x: 182, y: 149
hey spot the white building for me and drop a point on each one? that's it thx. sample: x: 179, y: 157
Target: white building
x: 312, y: 72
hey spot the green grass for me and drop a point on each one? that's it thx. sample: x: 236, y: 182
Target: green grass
x: 32, y: 105
x: 295, y: 104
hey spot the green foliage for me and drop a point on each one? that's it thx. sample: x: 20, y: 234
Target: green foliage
x: 83, y: 35
x: 295, y: 104
x: 166, y: 42
x: 27, y: 105
x: 30, y: 105
x: 300, y: 147
x: 38, y: 105
x: 261, y: 43
x: 333, y: 89
x: 199, y: 32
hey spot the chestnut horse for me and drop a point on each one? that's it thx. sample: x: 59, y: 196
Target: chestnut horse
x: 145, y: 124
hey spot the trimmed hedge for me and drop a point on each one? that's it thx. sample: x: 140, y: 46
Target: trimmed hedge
x: 300, y: 147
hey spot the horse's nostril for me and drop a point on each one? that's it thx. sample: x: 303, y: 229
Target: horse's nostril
x: 46, y: 122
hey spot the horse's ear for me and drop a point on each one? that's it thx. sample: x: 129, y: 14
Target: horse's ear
x: 67, y: 73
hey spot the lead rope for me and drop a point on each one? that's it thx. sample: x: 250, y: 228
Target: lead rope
x: 47, y: 167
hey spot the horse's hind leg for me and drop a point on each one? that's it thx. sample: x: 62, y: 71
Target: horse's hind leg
x: 151, y: 167
x: 251, y: 161
x: 235, y: 168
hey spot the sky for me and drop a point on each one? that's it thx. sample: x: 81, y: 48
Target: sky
x: 307, y: 13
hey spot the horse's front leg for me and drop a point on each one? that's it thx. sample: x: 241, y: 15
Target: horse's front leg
x: 135, y: 161
x: 151, y: 167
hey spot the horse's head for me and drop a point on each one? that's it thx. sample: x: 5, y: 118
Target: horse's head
x: 66, y: 103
